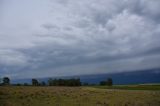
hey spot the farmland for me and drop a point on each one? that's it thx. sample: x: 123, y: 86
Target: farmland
x: 76, y: 96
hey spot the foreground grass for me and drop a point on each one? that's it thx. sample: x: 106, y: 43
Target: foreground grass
x: 76, y: 96
x: 131, y: 87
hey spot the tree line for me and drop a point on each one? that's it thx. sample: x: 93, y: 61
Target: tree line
x: 109, y: 82
x: 64, y: 82
x: 56, y: 82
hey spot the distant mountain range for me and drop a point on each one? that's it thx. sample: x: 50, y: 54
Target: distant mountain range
x: 133, y: 77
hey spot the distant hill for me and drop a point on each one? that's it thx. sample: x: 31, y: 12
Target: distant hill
x: 134, y: 77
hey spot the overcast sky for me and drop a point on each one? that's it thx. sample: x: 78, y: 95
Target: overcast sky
x: 41, y: 38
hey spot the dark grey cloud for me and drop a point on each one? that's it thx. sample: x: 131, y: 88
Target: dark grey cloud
x: 149, y: 9
x: 68, y: 37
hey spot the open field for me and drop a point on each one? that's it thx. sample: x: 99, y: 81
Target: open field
x: 76, y: 96
x: 132, y: 87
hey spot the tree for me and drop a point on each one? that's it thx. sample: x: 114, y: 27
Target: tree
x: 85, y: 84
x: 35, y: 82
x: 43, y: 83
x: 0, y: 80
x: 64, y: 82
x: 77, y: 82
x: 102, y: 83
x: 6, y: 81
x: 18, y: 84
x: 25, y: 84
x: 109, y: 82
x: 50, y: 82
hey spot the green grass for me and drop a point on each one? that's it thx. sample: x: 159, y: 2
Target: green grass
x: 130, y: 87
x: 76, y: 96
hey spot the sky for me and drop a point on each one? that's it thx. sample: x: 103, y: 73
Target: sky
x: 43, y: 38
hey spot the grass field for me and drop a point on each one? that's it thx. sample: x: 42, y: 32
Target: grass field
x: 76, y: 96
x: 132, y: 87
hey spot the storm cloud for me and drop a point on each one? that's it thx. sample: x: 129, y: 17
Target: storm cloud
x: 69, y: 37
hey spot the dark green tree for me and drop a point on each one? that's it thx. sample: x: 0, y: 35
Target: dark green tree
x: 43, y: 83
x: 64, y: 82
x: 18, y: 84
x: 85, y: 84
x: 102, y: 83
x: 35, y: 82
x: 6, y: 81
x: 26, y: 84
x: 50, y: 82
x: 109, y: 82
x: 0, y: 81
